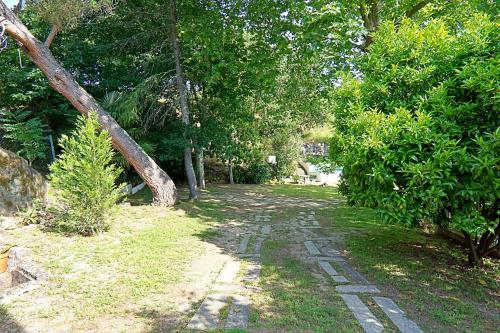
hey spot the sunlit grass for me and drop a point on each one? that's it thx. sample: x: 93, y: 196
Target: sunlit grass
x: 145, y: 252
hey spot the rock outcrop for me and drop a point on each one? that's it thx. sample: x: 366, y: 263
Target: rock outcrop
x: 20, y: 184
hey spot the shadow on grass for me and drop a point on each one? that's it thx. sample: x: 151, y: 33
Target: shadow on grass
x: 427, y: 274
x: 7, y: 323
x: 422, y: 273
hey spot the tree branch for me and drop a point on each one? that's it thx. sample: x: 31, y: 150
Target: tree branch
x: 414, y: 9
x: 50, y: 38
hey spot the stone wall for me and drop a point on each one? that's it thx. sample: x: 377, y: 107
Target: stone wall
x: 19, y: 183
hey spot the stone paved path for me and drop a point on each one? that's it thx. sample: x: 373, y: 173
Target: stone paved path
x: 239, y: 277
x: 231, y: 291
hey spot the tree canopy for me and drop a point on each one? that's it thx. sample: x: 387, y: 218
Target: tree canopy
x: 409, y: 87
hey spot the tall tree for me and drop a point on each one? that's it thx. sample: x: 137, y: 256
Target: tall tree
x: 163, y: 188
x: 181, y: 87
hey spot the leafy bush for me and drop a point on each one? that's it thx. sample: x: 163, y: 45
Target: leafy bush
x: 419, y: 134
x: 257, y: 172
x: 26, y: 133
x: 84, y: 178
x: 287, y: 148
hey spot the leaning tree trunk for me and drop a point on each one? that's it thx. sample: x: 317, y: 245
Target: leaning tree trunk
x: 163, y: 188
x: 188, y: 158
x: 201, y: 168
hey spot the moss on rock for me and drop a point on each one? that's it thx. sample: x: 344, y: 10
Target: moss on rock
x: 20, y: 184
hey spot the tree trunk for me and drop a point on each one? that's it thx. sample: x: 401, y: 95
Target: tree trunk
x: 188, y: 159
x: 474, y: 259
x: 489, y: 248
x: 230, y: 171
x: 163, y: 188
x: 370, y: 19
x: 201, y: 168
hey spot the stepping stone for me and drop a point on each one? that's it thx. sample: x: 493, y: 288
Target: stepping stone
x: 332, y: 272
x: 339, y: 279
x: 207, y: 316
x: 266, y: 230
x: 364, y: 316
x: 357, y: 288
x: 238, y: 312
x: 352, y: 272
x: 244, y: 244
x: 227, y: 289
x: 252, y: 273
x: 397, y: 315
x: 334, y: 258
x: 229, y: 272
x: 313, y: 250
x: 334, y: 252
x: 254, y: 228
x: 257, y: 245
x: 249, y: 255
x: 328, y: 268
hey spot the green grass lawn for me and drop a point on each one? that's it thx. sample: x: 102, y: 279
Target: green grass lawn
x: 303, y: 191
x: 124, y: 278
x: 291, y: 300
x: 425, y: 273
x: 114, y: 274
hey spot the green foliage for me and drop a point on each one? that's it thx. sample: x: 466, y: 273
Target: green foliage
x: 84, y: 179
x: 419, y: 134
x: 66, y: 14
x: 257, y: 172
x: 287, y: 149
x: 24, y: 132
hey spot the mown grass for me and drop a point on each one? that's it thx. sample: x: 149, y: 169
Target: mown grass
x: 130, y: 268
x: 301, y: 191
x: 319, y: 134
x: 292, y: 301
x: 113, y: 274
x: 426, y: 274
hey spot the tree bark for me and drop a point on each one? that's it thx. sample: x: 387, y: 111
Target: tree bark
x: 230, y: 171
x: 490, y: 250
x: 163, y: 188
x: 414, y: 9
x: 201, y: 168
x: 53, y: 33
x: 188, y: 158
x: 370, y: 19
